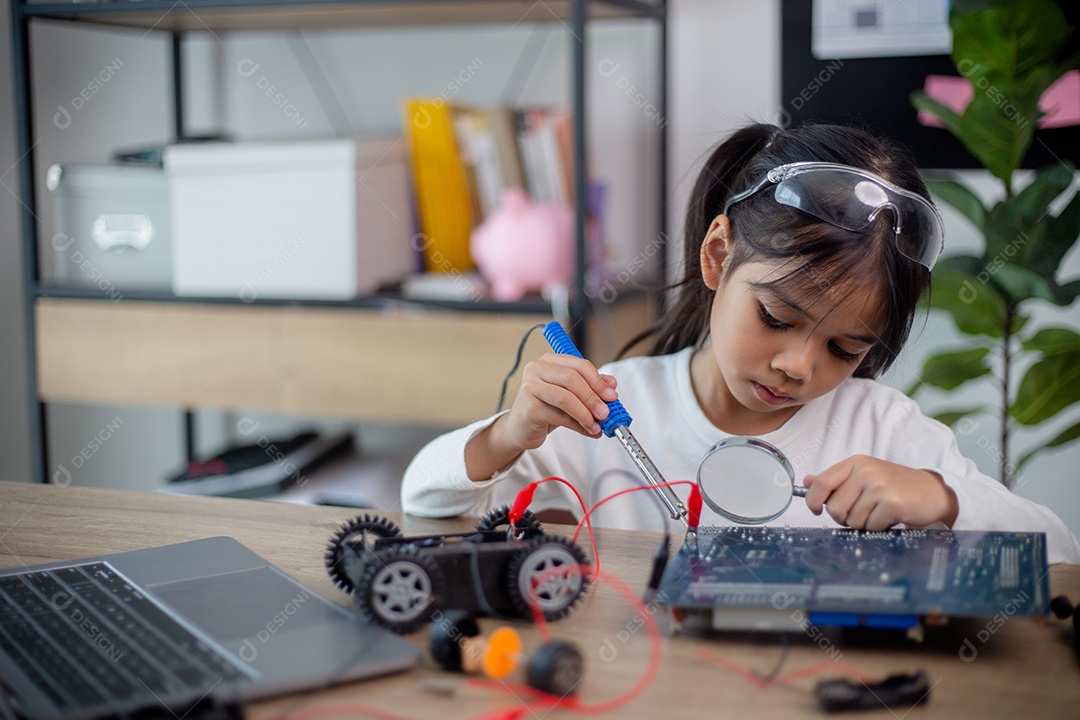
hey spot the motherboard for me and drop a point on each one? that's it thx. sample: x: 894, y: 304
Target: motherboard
x: 766, y: 578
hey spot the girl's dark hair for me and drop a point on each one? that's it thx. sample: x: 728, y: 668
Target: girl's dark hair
x: 822, y: 259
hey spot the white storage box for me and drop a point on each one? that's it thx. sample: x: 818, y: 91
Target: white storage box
x: 110, y: 228
x: 315, y: 219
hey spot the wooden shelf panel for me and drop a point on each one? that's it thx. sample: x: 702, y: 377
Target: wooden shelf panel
x: 426, y: 366
x: 423, y: 367
x: 149, y: 354
x: 430, y: 367
x: 226, y: 15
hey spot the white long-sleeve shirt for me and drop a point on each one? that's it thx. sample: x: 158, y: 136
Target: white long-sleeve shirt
x: 860, y: 417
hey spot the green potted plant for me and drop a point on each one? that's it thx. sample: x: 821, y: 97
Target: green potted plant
x: 1011, y: 52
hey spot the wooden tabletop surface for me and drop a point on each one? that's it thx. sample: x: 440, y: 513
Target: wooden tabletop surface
x: 1018, y: 669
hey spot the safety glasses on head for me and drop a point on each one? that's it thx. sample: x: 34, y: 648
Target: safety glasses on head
x: 851, y: 198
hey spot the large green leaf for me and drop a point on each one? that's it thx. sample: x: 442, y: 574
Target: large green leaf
x: 950, y: 370
x: 974, y: 305
x: 949, y: 417
x: 1065, y: 436
x: 1018, y: 283
x: 1065, y: 295
x: 1049, y: 182
x: 1017, y: 224
x: 1056, y: 236
x: 1009, y: 53
x: 944, y: 113
x: 1004, y: 42
x: 1053, y: 340
x: 999, y: 122
x: 1048, y: 387
x: 961, y: 198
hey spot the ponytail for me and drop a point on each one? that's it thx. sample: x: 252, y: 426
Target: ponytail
x: 687, y: 323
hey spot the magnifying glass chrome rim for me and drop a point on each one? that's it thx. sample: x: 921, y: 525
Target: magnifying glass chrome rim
x: 760, y: 445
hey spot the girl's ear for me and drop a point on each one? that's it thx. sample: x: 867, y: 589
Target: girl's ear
x: 715, y: 250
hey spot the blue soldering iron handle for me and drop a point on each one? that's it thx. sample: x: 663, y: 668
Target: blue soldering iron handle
x: 561, y: 343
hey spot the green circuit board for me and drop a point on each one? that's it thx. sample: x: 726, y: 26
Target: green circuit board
x: 895, y: 578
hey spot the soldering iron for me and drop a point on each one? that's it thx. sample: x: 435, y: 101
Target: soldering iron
x: 617, y: 425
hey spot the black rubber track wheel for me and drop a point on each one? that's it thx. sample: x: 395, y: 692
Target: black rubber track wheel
x: 352, y: 545
x: 499, y: 519
x: 446, y: 635
x: 556, y: 668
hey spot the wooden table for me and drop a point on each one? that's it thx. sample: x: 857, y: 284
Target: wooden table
x: 1020, y: 670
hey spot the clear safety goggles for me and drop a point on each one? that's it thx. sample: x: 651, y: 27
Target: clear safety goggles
x: 851, y: 198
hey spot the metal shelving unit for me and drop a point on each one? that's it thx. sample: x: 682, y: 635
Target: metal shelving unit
x: 191, y: 16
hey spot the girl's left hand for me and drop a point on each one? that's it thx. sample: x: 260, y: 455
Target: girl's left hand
x: 871, y: 494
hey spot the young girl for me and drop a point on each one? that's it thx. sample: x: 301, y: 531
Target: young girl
x: 806, y: 252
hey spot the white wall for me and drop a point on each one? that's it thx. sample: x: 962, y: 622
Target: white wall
x: 724, y: 72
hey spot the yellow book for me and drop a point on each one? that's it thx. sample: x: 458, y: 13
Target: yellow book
x: 443, y: 199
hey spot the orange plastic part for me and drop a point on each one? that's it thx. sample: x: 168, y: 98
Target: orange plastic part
x: 503, y: 651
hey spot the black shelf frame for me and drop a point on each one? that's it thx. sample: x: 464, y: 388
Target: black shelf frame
x: 175, y: 19
x: 218, y: 14
x: 530, y: 304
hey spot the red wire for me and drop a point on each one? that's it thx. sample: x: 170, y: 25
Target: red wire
x: 534, y: 604
x: 539, y: 700
x: 585, y: 519
x: 572, y: 703
x: 614, y: 495
x: 648, y: 621
x: 651, y: 668
x: 538, y: 615
x: 736, y: 668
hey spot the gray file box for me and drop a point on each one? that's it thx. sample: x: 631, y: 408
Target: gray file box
x: 111, y: 228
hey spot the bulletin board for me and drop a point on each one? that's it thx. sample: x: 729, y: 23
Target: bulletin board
x: 874, y: 93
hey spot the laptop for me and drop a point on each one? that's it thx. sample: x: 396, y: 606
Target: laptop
x: 173, y: 626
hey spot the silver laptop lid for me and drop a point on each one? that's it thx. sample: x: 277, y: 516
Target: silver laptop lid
x: 171, y: 625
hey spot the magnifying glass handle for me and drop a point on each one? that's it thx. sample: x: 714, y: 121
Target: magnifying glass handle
x: 617, y: 425
x: 799, y: 491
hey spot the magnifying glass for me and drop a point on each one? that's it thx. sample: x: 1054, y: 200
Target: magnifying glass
x: 747, y: 480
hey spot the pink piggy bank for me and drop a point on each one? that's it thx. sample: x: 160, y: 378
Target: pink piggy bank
x: 524, y: 246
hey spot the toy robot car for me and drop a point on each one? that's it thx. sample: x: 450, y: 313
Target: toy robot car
x: 399, y: 582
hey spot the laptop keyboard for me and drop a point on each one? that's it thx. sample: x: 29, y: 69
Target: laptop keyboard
x: 86, y: 636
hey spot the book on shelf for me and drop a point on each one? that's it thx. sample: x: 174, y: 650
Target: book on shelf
x: 504, y: 125
x: 444, y: 201
x: 481, y: 151
x: 464, y: 157
x: 543, y: 137
x: 480, y: 156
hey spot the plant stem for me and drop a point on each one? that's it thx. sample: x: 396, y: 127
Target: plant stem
x: 1006, y: 361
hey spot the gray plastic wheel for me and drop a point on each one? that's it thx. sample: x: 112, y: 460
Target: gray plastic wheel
x: 399, y: 589
x: 547, y: 573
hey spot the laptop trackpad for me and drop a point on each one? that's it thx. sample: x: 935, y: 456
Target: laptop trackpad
x: 246, y: 604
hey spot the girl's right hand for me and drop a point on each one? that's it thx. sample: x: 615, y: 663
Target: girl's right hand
x: 557, y: 391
